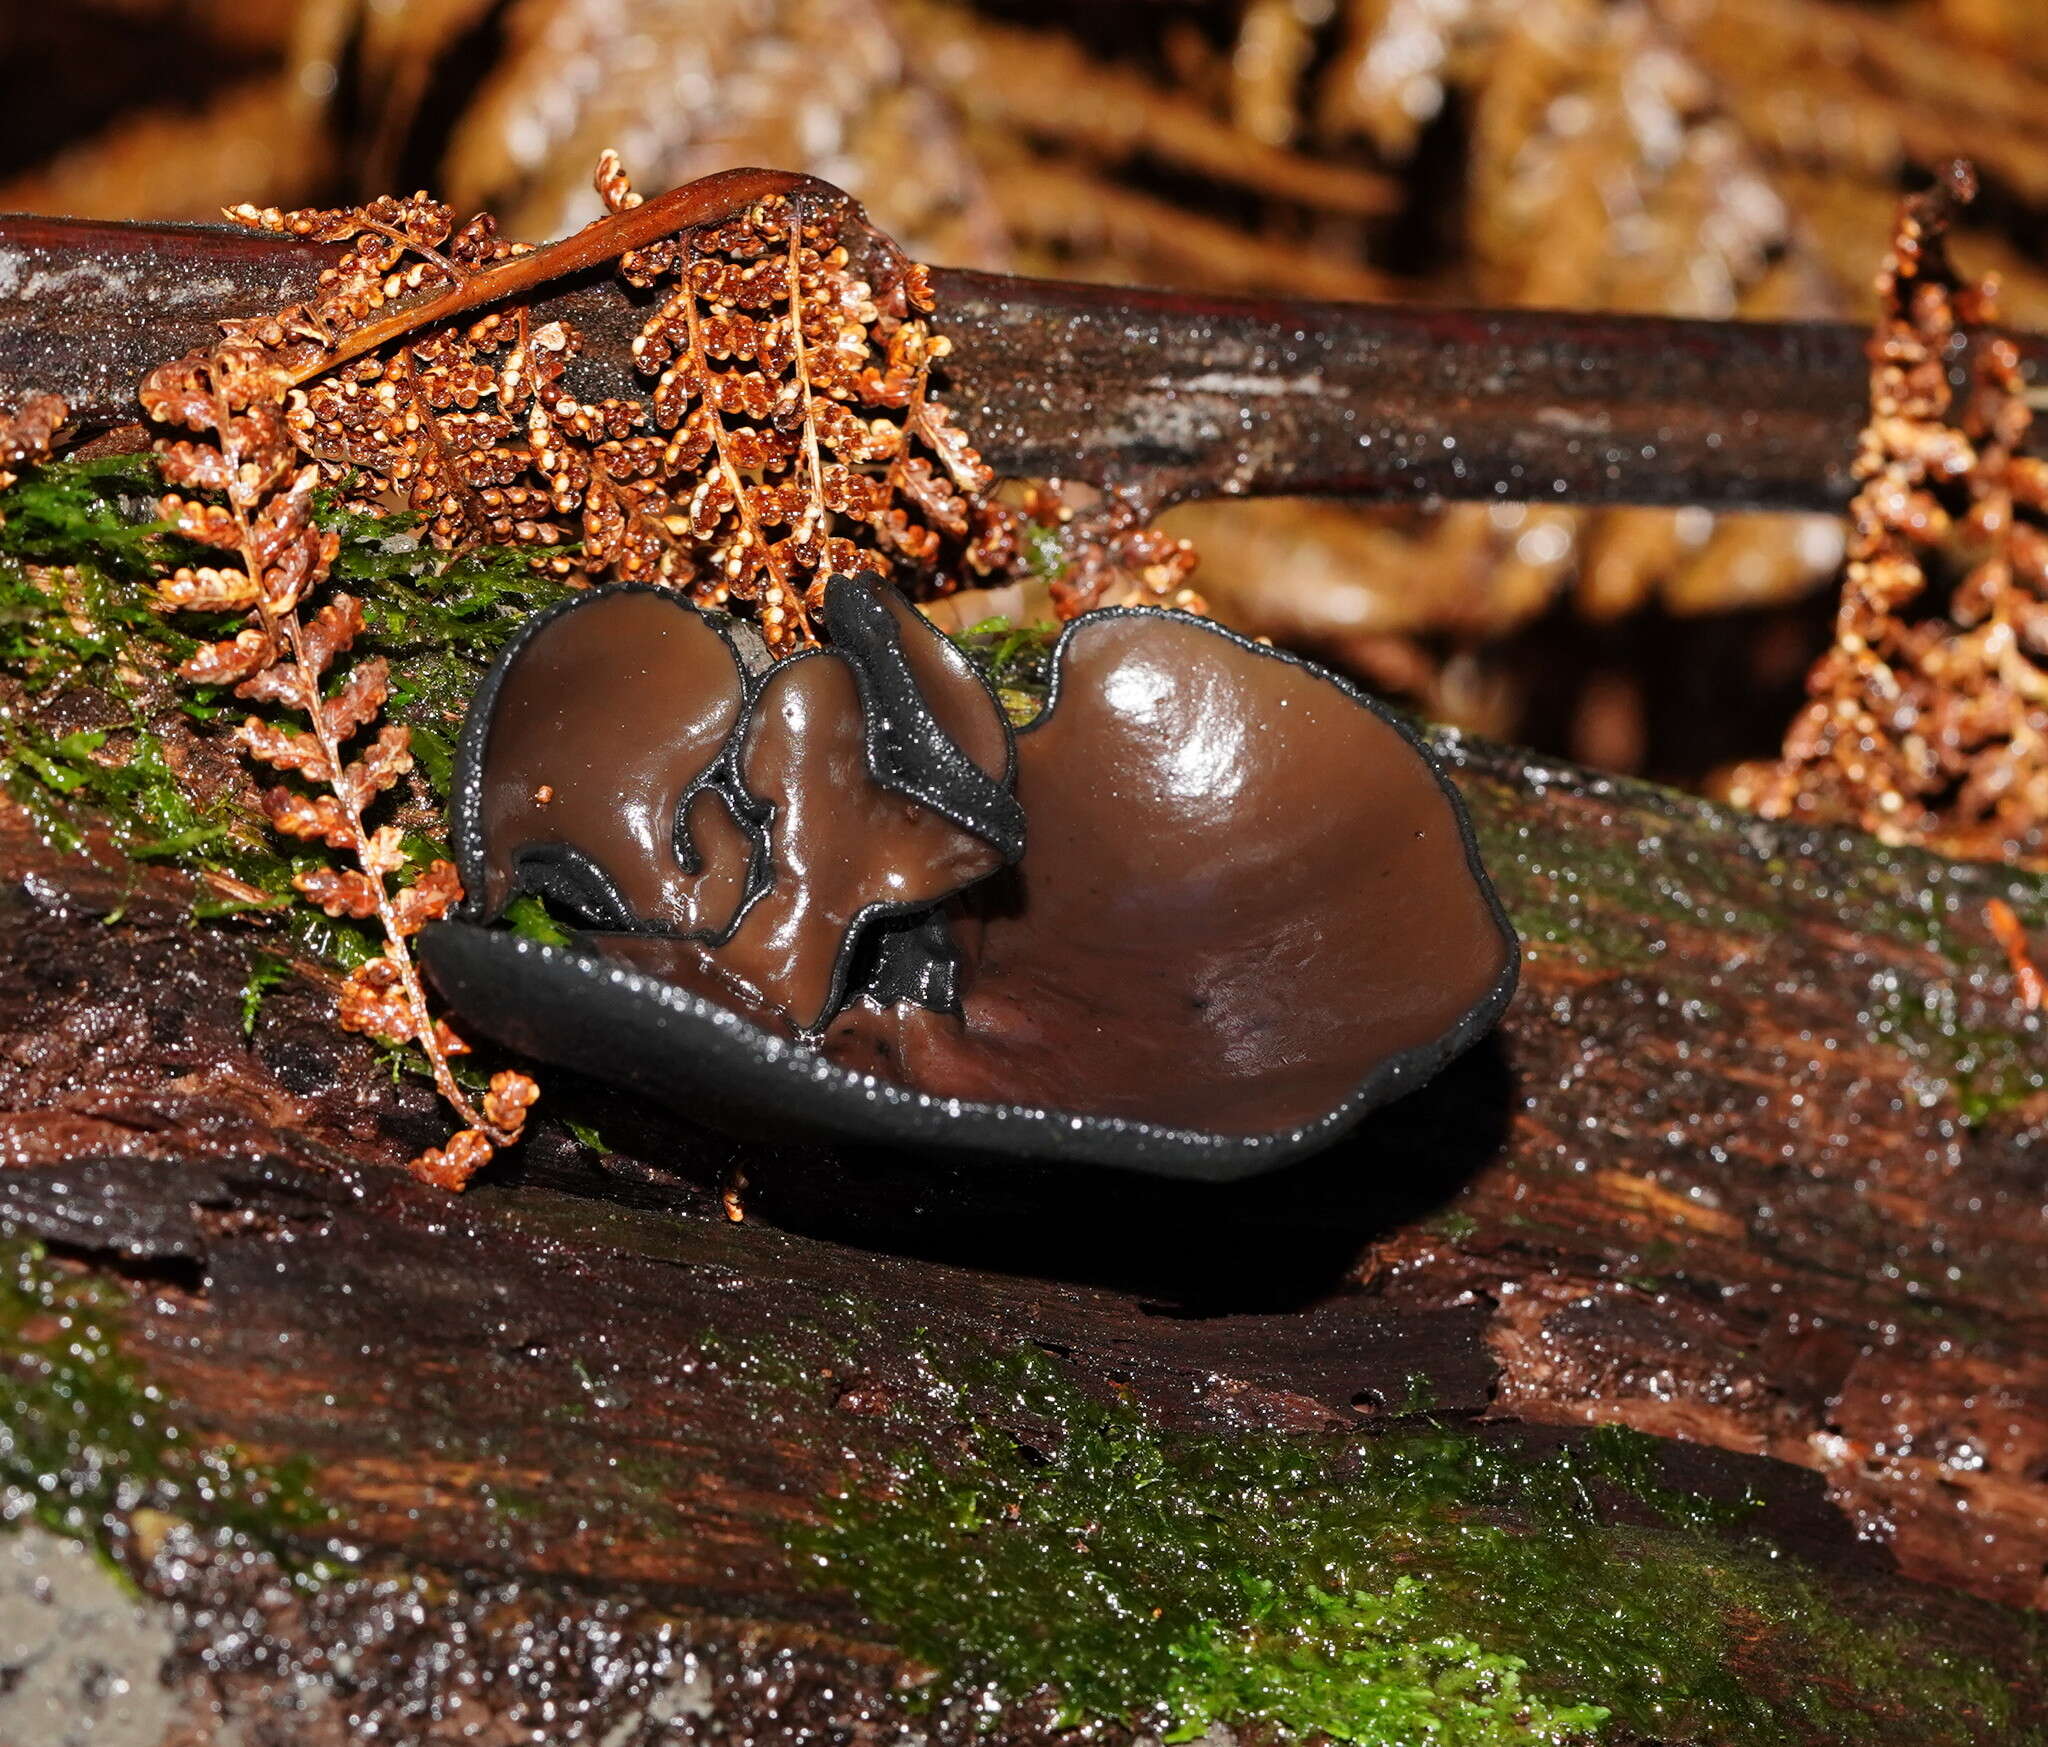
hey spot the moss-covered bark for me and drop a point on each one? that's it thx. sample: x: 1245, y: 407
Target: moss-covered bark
x: 831, y: 1442
x: 1748, y: 1171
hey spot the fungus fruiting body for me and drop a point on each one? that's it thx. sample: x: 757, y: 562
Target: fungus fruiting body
x: 1197, y: 918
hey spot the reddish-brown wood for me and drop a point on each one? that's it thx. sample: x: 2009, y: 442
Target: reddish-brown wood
x: 1713, y: 1180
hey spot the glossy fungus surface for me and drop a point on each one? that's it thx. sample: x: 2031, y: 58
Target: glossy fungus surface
x: 1197, y: 918
x: 1241, y: 891
x: 602, y: 736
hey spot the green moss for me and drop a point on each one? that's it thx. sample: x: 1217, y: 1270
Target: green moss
x: 1690, y: 863
x: 438, y: 620
x: 91, y: 637
x: 1016, y: 660
x: 266, y: 972
x: 92, y: 512
x: 86, y: 1439
x: 1988, y: 1068
x: 91, y: 630
x: 529, y: 916
x: 1420, y: 1585
x: 1590, y: 893
x: 1360, y: 1667
x: 1689, y: 870
x: 1045, y: 549
x: 1453, y: 1227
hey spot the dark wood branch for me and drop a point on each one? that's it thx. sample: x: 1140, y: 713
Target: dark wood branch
x: 1195, y: 396
x: 1159, y: 393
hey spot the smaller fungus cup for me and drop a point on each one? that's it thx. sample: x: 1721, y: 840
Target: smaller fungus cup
x: 1206, y: 911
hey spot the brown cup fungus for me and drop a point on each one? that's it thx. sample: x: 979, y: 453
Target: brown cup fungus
x: 1208, y: 909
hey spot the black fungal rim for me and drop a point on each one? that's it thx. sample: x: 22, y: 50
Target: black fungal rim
x: 633, y: 1028
x: 899, y: 729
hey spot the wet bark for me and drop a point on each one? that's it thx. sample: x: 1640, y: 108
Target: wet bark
x: 1750, y: 1167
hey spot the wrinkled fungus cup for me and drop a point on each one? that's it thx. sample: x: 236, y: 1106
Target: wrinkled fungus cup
x: 1200, y: 916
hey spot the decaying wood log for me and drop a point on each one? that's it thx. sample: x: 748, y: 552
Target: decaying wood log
x: 1749, y: 1171
x: 1751, y: 1167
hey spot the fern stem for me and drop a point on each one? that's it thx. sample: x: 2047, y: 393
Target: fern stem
x: 284, y: 631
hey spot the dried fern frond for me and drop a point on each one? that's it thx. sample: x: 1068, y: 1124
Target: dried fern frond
x: 1711, y: 156
x: 1060, y: 213
x: 1045, y: 87
x: 1860, y: 93
x: 1929, y: 716
x: 1390, y: 67
x: 790, y: 431
x: 241, y: 487
x: 841, y: 89
x: 399, y: 50
x: 26, y: 433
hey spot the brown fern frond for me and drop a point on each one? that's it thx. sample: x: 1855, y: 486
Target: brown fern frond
x: 210, y: 524
x: 314, y: 818
x: 375, y: 1001
x: 26, y: 433
x: 207, y: 588
x: 429, y: 898
x: 340, y: 891
x: 238, y: 393
x: 232, y: 660
x: 388, y: 758
x: 286, y: 749
x: 790, y: 427
x: 452, y: 1166
x: 166, y: 158
x: 359, y: 701
x: 1928, y: 720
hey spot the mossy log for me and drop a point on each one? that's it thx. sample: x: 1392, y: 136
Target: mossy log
x: 1749, y: 1169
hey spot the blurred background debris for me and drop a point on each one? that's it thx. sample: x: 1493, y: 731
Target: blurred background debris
x: 1699, y: 157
